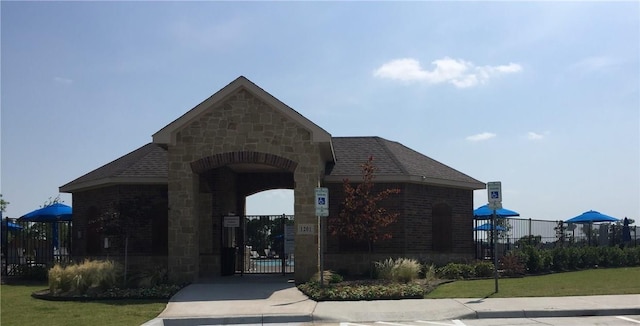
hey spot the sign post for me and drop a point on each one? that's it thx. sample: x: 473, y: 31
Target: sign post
x: 494, y: 192
x: 322, y: 210
x: 322, y: 202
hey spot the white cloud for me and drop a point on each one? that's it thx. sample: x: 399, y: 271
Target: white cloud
x: 458, y: 72
x: 591, y: 64
x: 534, y: 136
x: 481, y: 136
x: 62, y: 80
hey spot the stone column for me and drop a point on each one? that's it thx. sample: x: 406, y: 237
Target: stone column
x: 183, y: 223
x: 306, y: 246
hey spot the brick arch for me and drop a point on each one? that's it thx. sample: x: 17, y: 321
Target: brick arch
x: 215, y: 161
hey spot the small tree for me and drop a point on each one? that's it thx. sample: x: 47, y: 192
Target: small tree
x: 51, y: 201
x: 3, y: 204
x: 360, y: 218
x: 117, y: 223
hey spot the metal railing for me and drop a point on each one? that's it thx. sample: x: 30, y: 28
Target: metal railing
x: 30, y: 248
x: 268, y: 245
x: 513, y: 233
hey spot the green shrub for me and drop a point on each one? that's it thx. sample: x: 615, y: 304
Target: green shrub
x: 590, y: 257
x: 547, y: 260
x: 560, y: 259
x: 533, y: 259
x: 483, y: 269
x: 612, y: 257
x: 468, y: 271
x: 632, y: 256
x: 336, y: 278
x: 456, y: 271
x: 452, y: 271
x: 574, y: 258
x: 328, y: 277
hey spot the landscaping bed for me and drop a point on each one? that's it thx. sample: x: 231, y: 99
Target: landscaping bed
x: 160, y: 292
x: 369, y: 290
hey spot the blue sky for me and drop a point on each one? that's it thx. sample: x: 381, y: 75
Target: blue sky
x: 542, y: 96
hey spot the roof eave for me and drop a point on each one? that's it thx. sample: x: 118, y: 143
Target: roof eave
x: 110, y: 181
x: 411, y: 179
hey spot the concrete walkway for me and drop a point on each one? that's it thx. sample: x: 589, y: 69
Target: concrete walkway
x: 256, y: 299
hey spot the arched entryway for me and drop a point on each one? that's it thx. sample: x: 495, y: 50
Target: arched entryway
x: 226, y: 179
x: 239, y: 141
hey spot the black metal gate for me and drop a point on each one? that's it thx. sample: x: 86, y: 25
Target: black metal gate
x: 29, y: 249
x: 260, y: 244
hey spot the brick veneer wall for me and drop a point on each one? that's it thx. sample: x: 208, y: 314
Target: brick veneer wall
x: 101, y: 200
x: 412, y: 234
x: 242, y: 129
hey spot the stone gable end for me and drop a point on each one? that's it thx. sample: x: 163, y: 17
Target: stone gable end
x: 242, y: 129
x: 243, y: 122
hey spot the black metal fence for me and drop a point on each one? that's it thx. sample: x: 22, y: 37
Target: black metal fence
x: 513, y: 233
x: 268, y: 245
x: 29, y: 249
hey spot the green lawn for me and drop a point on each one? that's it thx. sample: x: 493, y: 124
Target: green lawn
x: 17, y: 307
x: 590, y: 282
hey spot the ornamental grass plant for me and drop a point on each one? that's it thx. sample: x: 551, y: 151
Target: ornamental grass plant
x: 79, y: 279
x: 403, y: 270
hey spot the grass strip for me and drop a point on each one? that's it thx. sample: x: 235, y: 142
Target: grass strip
x: 19, y: 308
x: 588, y: 282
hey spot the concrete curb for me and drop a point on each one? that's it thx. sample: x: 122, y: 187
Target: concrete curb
x: 260, y: 319
x: 556, y: 313
x: 281, y: 319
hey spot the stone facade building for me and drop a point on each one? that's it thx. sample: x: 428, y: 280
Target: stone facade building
x: 241, y: 141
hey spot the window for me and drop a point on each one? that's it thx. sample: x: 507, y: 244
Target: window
x: 159, y: 229
x: 441, y: 228
x: 93, y: 236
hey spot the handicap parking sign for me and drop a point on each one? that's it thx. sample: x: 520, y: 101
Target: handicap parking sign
x: 322, y: 202
x: 494, y: 190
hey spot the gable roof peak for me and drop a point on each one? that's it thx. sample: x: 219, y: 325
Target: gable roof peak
x: 167, y: 135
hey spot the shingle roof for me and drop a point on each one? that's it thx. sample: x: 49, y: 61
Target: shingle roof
x: 394, y: 162
x: 145, y: 165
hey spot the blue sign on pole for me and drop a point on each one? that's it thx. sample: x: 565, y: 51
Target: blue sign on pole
x: 494, y: 194
x: 322, y: 202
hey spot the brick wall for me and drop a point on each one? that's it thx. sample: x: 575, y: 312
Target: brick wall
x: 413, y: 233
x: 90, y: 205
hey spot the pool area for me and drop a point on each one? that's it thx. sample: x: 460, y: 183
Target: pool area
x: 272, y: 262
x: 269, y: 266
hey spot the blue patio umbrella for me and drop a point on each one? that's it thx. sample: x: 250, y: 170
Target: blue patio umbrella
x: 50, y: 214
x: 484, y: 212
x: 591, y: 217
x: 13, y: 226
x: 488, y: 227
